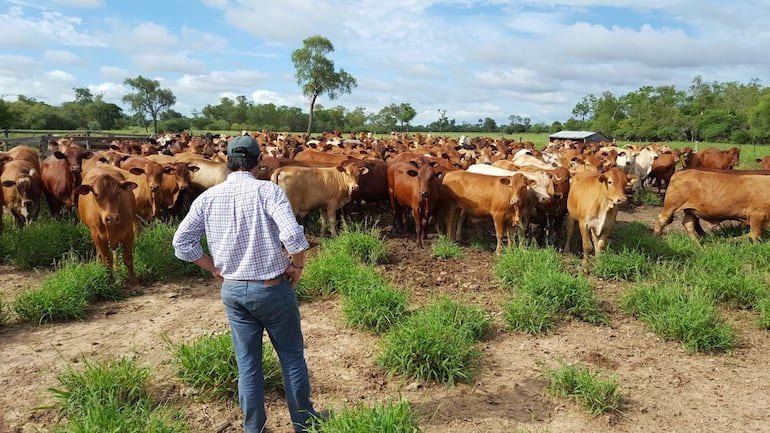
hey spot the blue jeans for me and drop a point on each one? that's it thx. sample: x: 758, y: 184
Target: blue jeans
x: 251, y: 308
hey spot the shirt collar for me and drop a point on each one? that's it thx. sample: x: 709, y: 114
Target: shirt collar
x: 240, y: 174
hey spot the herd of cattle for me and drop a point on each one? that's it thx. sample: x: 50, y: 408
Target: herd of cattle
x: 439, y: 180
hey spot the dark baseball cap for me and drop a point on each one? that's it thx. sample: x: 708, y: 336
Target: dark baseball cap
x: 243, y: 146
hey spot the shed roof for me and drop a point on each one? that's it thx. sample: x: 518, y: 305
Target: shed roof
x: 580, y: 135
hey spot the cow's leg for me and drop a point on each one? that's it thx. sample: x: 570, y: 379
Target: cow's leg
x: 128, y: 260
x: 585, y: 237
x: 499, y: 221
x: 570, y: 232
x: 664, y: 218
x: 417, y: 224
x: 331, y: 219
x: 691, y: 225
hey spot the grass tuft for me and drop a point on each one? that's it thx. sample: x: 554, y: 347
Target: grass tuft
x: 67, y: 293
x: 437, y: 343
x: 45, y: 243
x: 392, y: 418
x: 112, y: 396
x: 208, y: 364
x: 361, y: 242
x: 154, y: 258
x: 598, y: 395
x: 374, y: 308
x: 683, y: 315
x: 443, y: 248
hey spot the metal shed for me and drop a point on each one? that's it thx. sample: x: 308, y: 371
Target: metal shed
x: 584, y: 136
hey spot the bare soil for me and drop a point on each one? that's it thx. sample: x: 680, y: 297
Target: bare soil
x: 664, y: 388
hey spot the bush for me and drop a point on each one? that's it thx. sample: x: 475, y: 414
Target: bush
x: 531, y: 314
x: 334, y: 272
x: 626, y: 265
x: 597, y: 395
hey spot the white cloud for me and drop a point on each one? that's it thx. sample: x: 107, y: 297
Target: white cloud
x: 81, y: 3
x: 61, y: 56
x: 144, y: 37
x: 114, y: 73
x: 161, y: 62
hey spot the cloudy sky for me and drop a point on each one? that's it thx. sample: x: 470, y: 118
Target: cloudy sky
x: 474, y: 59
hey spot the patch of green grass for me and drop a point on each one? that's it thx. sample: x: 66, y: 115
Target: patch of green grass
x: 726, y: 272
x: 443, y: 248
x: 374, y: 308
x: 392, y: 418
x: 763, y: 321
x: 5, y: 312
x: 636, y: 237
x: 437, y: 343
x: 154, y: 258
x: 334, y: 272
x: 597, y: 395
x: 67, y: 293
x: 112, y: 396
x: 626, y: 265
x: 208, y: 364
x: 360, y: 241
x: 541, y: 286
x: 45, y: 242
x: 683, y: 315
x: 531, y: 314
x: 647, y: 197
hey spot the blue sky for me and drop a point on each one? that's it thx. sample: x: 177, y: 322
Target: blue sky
x: 474, y: 59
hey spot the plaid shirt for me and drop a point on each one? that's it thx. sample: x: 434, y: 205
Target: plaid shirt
x: 245, y: 222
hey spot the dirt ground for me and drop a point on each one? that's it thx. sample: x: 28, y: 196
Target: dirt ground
x: 664, y: 388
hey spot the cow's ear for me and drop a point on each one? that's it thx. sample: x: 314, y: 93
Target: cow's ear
x: 8, y: 183
x: 505, y: 181
x: 87, y: 155
x: 193, y: 168
x: 412, y: 173
x: 363, y: 170
x: 602, y: 179
x: 531, y: 182
x: 82, y: 189
x: 59, y: 155
x: 340, y: 168
x: 136, y: 170
x: 169, y: 169
x: 128, y: 185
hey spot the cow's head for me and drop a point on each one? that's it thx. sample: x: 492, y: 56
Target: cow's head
x: 353, y: 169
x: 74, y: 155
x: 614, y: 186
x: 107, y: 191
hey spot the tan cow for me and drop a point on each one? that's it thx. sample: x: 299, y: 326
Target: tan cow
x: 324, y: 188
x: 106, y: 206
x: 478, y: 195
x: 592, y: 205
x: 715, y: 197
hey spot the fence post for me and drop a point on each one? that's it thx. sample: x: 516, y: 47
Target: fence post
x: 88, y: 143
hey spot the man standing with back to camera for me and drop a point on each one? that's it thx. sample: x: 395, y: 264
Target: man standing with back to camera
x: 246, y: 223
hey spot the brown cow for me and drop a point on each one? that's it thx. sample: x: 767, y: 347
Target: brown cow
x: 61, y: 172
x: 478, y: 195
x: 324, y: 188
x: 22, y: 189
x: 26, y: 153
x: 414, y: 185
x: 149, y: 192
x: 765, y: 161
x: 711, y: 158
x: 715, y: 197
x: 106, y: 206
x: 176, y: 181
x: 209, y: 172
x: 663, y: 168
x: 593, y: 204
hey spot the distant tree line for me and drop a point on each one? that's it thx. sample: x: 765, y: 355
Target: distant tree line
x: 715, y: 112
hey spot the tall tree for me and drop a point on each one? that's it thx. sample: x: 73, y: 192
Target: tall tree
x: 405, y: 114
x: 316, y: 73
x: 148, y: 98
